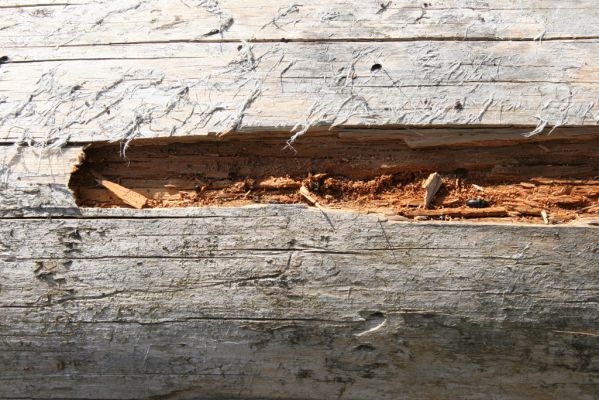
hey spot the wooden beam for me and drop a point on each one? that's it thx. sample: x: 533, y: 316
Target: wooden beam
x: 85, y: 22
x: 139, y: 303
x: 161, y: 90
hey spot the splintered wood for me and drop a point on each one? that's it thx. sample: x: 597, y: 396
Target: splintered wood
x: 382, y: 176
x: 129, y: 197
x: 431, y: 185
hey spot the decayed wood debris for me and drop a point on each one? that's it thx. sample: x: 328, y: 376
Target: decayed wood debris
x: 241, y: 172
x: 461, y: 212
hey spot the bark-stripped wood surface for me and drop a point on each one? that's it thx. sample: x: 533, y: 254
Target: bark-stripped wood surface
x: 287, y: 301
x: 82, y: 22
x: 281, y: 302
x: 122, y: 92
x: 175, y: 67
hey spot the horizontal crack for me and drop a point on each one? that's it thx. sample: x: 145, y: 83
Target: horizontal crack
x: 332, y: 41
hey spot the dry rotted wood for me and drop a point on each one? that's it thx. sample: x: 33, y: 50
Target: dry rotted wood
x: 461, y: 212
x: 278, y: 302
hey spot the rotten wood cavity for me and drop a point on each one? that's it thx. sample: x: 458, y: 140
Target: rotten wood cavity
x: 519, y: 181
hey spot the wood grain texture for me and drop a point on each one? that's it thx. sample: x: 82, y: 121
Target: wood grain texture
x: 158, y: 90
x: 278, y: 302
x: 34, y: 181
x: 84, y: 22
x: 284, y: 301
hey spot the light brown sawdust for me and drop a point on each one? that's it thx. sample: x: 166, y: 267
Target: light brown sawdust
x: 523, y: 201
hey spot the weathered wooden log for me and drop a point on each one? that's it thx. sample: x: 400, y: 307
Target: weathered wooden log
x: 276, y: 302
x: 290, y: 301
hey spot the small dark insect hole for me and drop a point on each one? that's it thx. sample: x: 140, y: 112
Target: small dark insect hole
x: 3, y: 59
x: 239, y: 47
x: 458, y: 105
x: 376, y: 67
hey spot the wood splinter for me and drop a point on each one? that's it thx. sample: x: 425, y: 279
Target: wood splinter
x: 305, y: 192
x: 460, y: 212
x: 432, y: 184
x: 128, y: 196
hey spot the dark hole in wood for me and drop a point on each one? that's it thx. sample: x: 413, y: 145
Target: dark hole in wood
x: 376, y: 67
x: 518, y: 179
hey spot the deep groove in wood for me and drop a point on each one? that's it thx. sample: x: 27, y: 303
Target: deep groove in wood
x: 519, y: 181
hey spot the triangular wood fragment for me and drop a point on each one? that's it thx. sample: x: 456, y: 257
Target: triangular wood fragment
x: 128, y: 196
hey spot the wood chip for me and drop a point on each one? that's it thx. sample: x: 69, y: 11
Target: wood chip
x: 305, y: 192
x: 528, y: 185
x: 452, y: 202
x: 432, y: 184
x: 565, y: 200
x: 319, y: 176
x: 308, y: 195
x: 411, y: 203
x: 526, y: 210
x: 477, y: 187
x: 277, y: 183
x: 545, y: 217
x: 128, y: 196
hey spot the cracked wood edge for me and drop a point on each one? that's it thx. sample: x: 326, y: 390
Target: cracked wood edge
x: 300, y: 308
x: 163, y: 90
x: 34, y: 181
x: 84, y: 22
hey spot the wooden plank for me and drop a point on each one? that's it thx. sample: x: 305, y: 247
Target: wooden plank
x: 188, y: 89
x: 60, y: 22
x: 141, y: 306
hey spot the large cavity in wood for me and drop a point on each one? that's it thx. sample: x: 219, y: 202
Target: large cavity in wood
x: 553, y: 181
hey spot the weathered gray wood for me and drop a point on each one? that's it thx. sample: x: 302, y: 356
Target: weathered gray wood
x: 87, y: 22
x: 34, y: 181
x: 288, y: 302
x: 155, y: 90
x: 277, y: 302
